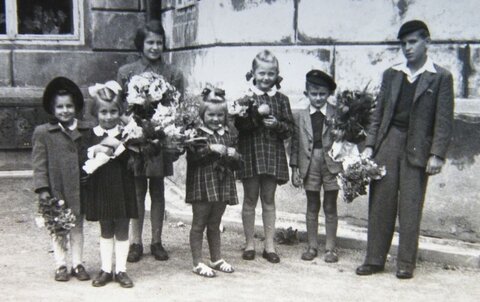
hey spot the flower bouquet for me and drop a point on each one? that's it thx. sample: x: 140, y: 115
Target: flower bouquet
x: 353, y: 110
x: 251, y: 108
x: 152, y: 103
x: 357, y: 173
x: 57, y: 218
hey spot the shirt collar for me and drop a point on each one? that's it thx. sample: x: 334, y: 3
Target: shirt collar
x: 72, y: 127
x: 257, y: 91
x: 428, y: 66
x: 322, y: 109
x: 99, y: 131
x: 220, y: 131
x: 149, y: 65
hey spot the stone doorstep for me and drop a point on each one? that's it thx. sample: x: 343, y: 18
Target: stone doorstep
x: 443, y: 251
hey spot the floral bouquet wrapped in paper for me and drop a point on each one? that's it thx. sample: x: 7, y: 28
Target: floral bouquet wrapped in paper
x: 57, y: 218
x: 357, y: 173
x: 152, y: 104
x: 183, y: 133
x: 353, y: 110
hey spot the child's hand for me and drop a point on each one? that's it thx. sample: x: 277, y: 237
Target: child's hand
x: 44, y: 195
x: 218, y: 148
x: 102, y: 149
x: 296, y: 180
x: 231, y: 152
x: 270, y: 121
x: 111, y: 142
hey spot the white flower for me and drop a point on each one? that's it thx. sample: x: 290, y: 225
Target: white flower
x: 61, y: 202
x: 234, y: 108
x: 172, y: 131
x: 132, y: 130
x: 135, y: 99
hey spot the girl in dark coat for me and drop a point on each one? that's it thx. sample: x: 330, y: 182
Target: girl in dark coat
x: 110, y: 189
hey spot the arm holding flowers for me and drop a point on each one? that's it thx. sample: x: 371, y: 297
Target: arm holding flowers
x: 375, y: 118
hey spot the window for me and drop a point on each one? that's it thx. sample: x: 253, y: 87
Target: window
x: 50, y: 21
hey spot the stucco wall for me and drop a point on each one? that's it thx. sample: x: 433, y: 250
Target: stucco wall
x: 354, y: 40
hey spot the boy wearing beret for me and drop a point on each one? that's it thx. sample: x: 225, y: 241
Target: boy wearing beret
x: 409, y: 133
x: 311, y: 164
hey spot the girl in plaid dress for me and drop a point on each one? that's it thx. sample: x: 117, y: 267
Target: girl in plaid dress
x: 261, y: 138
x: 211, y: 182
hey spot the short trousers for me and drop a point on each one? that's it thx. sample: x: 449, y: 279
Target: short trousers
x: 318, y: 174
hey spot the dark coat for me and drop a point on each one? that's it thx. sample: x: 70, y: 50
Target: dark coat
x: 56, y: 158
x: 431, y: 117
x: 302, y: 141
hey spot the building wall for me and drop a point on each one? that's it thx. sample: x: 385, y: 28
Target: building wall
x: 25, y: 69
x: 354, y: 40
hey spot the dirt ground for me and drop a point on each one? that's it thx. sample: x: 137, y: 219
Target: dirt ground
x: 27, y: 269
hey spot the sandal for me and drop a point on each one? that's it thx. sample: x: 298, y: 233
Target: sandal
x: 204, y: 271
x: 222, y: 266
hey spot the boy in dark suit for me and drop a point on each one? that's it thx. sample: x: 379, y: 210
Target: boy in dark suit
x: 311, y: 164
x: 409, y: 133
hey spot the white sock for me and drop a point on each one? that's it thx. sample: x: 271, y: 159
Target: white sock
x: 59, y: 253
x: 121, y: 253
x: 106, y: 251
x: 76, y: 242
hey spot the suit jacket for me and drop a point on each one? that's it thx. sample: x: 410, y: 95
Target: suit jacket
x: 302, y: 141
x: 431, y: 117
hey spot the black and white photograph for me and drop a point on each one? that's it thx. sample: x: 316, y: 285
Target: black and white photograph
x: 239, y: 150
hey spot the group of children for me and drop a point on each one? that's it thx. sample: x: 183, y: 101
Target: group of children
x: 254, y: 152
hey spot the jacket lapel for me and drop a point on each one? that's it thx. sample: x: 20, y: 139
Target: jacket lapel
x: 424, y: 82
x: 307, y: 123
x: 396, y: 86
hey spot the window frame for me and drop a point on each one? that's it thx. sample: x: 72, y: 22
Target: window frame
x: 13, y: 37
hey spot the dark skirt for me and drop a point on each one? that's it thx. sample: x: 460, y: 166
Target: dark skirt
x: 110, y: 192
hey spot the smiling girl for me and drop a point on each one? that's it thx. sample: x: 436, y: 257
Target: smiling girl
x: 149, y: 41
x: 261, y: 143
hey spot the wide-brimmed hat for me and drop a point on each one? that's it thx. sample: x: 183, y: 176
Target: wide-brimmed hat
x: 62, y: 85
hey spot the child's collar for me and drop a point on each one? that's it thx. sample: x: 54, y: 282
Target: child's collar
x: 72, y: 127
x: 220, y: 131
x: 257, y: 91
x: 99, y: 131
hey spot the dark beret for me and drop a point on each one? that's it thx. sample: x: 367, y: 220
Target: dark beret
x: 62, y: 85
x: 320, y: 78
x: 410, y: 27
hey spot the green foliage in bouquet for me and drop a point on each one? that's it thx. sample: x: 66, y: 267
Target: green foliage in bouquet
x: 57, y: 218
x: 353, y: 109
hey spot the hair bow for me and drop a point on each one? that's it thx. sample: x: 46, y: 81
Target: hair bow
x: 112, y: 85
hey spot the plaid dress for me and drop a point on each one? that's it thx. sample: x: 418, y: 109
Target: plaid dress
x: 263, y: 149
x: 210, y: 177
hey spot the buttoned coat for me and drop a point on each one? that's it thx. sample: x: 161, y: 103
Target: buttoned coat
x: 56, y: 158
x: 302, y: 141
x: 431, y: 116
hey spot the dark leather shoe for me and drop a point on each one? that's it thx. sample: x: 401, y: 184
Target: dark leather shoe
x: 80, y: 273
x: 102, y: 278
x: 135, y: 252
x: 271, y: 257
x: 61, y: 274
x: 123, y: 279
x: 310, y: 254
x: 369, y: 269
x: 248, y: 255
x: 158, y: 251
x: 404, y: 274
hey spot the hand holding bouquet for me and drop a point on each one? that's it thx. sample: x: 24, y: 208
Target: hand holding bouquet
x: 357, y: 173
x: 57, y: 218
